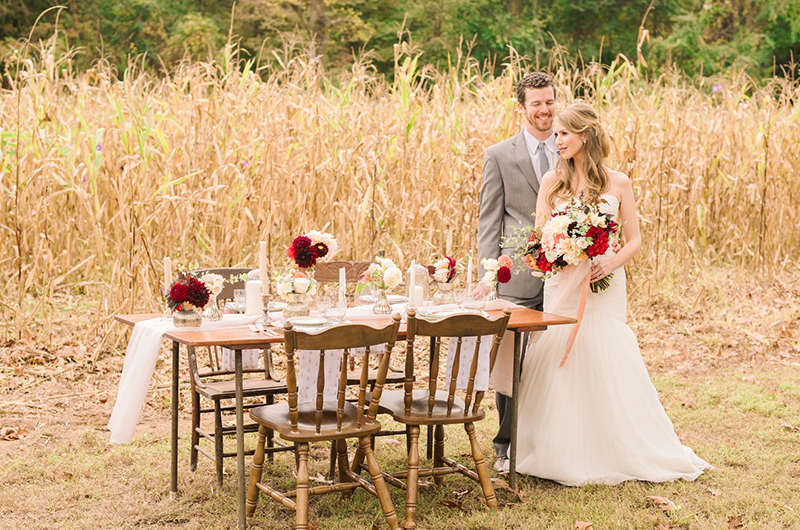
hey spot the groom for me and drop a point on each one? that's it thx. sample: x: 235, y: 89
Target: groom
x: 512, y: 171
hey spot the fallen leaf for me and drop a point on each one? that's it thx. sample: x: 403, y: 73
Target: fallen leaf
x: 789, y: 427
x: 62, y: 475
x: 785, y: 333
x: 734, y: 522
x: 13, y: 433
x: 391, y: 441
x: 461, y: 493
x: 425, y: 484
x: 751, y: 379
x: 583, y: 525
x: 662, y: 502
x: 313, y: 525
x: 102, y: 398
x: 375, y: 526
x: 321, y: 478
x: 712, y: 491
x: 662, y: 526
x: 452, y: 505
x: 689, y: 404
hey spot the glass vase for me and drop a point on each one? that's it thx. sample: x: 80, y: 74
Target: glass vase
x: 212, y: 312
x: 296, y: 307
x: 444, y: 294
x: 492, y: 294
x: 187, y: 318
x: 381, y: 306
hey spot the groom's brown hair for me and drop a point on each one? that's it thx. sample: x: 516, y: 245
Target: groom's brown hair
x: 534, y: 80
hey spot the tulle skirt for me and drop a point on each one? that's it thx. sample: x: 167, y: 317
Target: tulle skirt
x: 598, y: 419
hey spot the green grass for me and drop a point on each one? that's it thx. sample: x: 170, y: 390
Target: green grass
x: 736, y: 422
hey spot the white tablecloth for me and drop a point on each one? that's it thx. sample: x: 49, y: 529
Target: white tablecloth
x: 140, y: 362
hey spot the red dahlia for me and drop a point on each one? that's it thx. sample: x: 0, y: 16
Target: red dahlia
x: 503, y: 274
x: 179, y: 293
x: 302, y: 252
x: 321, y: 250
x: 198, y: 293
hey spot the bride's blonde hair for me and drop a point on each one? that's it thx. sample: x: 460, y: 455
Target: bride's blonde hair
x: 580, y: 118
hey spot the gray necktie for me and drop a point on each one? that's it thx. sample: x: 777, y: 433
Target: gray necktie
x: 544, y: 164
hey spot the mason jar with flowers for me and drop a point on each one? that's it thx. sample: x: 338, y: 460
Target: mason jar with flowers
x: 186, y: 294
x: 295, y: 286
x: 382, y: 275
x: 214, y: 283
x: 442, y: 272
x: 497, y: 271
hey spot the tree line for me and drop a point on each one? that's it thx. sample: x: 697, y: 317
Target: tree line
x: 700, y: 37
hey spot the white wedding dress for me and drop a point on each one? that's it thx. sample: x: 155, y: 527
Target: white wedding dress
x: 597, y: 419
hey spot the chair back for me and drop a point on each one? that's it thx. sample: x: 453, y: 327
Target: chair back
x: 227, y: 273
x: 343, y: 337
x: 456, y: 327
x: 329, y: 271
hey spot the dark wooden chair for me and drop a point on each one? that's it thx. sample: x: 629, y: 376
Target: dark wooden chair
x: 213, y: 382
x: 438, y: 407
x: 327, y: 420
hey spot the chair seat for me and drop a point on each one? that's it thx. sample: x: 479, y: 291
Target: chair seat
x: 392, y: 402
x: 250, y: 387
x: 392, y: 376
x: 276, y: 417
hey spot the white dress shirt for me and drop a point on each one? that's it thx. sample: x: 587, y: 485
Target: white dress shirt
x: 549, y: 148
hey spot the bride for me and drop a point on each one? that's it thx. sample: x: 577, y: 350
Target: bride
x: 597, y: 419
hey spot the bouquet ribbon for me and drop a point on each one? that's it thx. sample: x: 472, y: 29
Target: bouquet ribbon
x: 571, y: 277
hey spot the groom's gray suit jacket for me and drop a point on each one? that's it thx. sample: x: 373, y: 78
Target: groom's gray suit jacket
x: 508, y: 201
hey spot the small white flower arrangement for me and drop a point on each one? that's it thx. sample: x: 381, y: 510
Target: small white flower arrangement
x: 383, y: 274
x: 214, y: 283
x: 295, y: 282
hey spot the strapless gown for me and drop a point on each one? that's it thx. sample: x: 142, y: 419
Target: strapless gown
x: 597, y: 419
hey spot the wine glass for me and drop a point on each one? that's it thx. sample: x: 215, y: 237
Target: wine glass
x: 338, y: 307
x: 238, y: 297
x: 323, y: 304
x: 459, y: 293
x: 364, y: 297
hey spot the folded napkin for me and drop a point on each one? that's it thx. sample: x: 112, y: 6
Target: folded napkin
x: 140, y: 362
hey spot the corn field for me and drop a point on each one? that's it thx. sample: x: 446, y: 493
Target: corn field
x: 104, y: 175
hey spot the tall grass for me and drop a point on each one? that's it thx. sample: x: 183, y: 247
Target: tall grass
x: 113, y: 174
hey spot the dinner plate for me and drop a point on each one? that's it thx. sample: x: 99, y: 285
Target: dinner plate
x: 277, y: 306
x: 234, y: 306
x: 308, y: 321
x: 432, y: 313
x: 396, y: 298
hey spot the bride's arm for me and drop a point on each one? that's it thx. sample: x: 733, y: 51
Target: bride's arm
x: 629, y: 222
x: 543, y: 210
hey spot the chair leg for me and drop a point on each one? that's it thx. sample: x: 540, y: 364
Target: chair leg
x: 256, y: 472
x: 480, y: 465
x: 270, y: 432
x: 195, y: 426
x: 218, y: 441
x: 438, y: 452
x: 412, y: 485
x: 379, y: 483
x: 302, y: 487
x: 344, y: 465
x: 358, y: 460
x: 332, y: 465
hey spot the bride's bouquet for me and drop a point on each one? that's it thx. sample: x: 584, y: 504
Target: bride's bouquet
x: 573, y: 234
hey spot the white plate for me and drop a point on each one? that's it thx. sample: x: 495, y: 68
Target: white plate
x: 396, y: 298
x: 433, y: 313
x: 308, y: 321
x: 277, y: 306
x: 234, y: 306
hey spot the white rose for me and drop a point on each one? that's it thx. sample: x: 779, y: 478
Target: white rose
x: 488, y: 277
x: 301, y: 285
x: 284, y: 288
x: 490, y: 264
x: 440, y: 275
x: 392, y: 277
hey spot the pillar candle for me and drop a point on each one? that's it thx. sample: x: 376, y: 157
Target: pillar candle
x: 469, y: 271
x: 412, y: 296
x: 262, y: 262
x: 252, y: 297
x: 342, y: 283
x: 167, y: 274
x: 418, y: 300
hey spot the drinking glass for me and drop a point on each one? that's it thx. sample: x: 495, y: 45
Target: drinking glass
x: 238, y: 297
x: 323, y: 304
x: 459, y: 293
x: 338, y: 307
x: 365, y: 296
x: 475, y: 300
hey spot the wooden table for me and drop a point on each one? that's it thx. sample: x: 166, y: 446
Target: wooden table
x: 237, y: 339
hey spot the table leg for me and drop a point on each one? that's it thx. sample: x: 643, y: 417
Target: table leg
x: 512, y: 464
x: 240, y: 440
x: 173, y: 485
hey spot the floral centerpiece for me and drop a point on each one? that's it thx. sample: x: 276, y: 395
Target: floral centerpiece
x: 383, y: 274
x: 214, y: 283
x: 295, y: 285
x: 307, y: 249
x: 442, y: 272
x: 573, y: 234
x: 185, y: 294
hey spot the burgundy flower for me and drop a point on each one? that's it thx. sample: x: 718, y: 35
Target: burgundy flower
x: 503, y: 274
x: 198, y: 292
x: 599, y: 244
x: 321, y: 250
x: 302, y: 252
x: 179, y: 293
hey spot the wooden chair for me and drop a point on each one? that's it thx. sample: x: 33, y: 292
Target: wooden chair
x: 214, y: 383
x: 328, y: 272
x: 326, y: 420
x: 440, y: 407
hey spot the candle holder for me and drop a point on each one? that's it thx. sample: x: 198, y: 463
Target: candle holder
x: 265, y: 319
